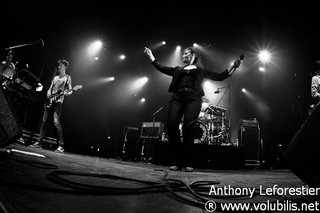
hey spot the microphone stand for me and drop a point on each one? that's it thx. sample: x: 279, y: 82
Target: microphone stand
x: 24, y: 45
x: 228, y: 89
x: 153, y: 120
x: 152, y: 136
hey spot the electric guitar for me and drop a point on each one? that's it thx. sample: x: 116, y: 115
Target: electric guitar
x: 54, y: 97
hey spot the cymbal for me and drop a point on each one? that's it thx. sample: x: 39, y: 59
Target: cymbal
x: 205, y: 100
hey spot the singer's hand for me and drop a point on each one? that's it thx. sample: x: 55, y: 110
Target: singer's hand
x: 237, y: 63
x: 148, y: 52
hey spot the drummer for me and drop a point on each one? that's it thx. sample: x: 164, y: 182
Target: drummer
x: 7, y: 68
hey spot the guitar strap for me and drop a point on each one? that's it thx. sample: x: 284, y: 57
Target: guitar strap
x: 66, y: 83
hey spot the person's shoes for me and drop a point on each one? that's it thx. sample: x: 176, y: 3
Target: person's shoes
x: 188, y: 169
x: 36, y: 145
x: 60, y: 149
x: 173, y: 168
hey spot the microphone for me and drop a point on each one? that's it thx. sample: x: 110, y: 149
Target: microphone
x: 238, y: 61
x: 236, y: 64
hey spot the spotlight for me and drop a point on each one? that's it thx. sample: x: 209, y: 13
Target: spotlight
x: 163, y: 43
x: 94, y: 47
x: 262, y: 69
x: 143, y: 100
x: 243, y: 90
x: 264, y: 56
x: 139, y: 83
x: 122, y: 57
x: 178, y: 48
x: 195, y: 45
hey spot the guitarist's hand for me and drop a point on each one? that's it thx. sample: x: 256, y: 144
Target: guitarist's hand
x: 68, y: 92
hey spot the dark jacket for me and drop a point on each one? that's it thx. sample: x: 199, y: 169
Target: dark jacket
x: 197, y: 75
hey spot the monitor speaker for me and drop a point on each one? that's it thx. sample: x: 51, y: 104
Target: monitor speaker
x: 10, y: 128
x: 152, y: 129
x: 303, y: 152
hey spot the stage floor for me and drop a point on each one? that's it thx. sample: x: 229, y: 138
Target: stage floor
x: 40, y: 180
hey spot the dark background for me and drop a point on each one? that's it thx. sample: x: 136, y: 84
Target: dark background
x: 98, y: 111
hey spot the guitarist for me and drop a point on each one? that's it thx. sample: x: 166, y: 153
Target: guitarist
x: 61, y: 83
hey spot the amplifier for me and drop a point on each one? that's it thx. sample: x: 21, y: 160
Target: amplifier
x: 152, y: 129
x: 250, y: 144
x: 249, y: 123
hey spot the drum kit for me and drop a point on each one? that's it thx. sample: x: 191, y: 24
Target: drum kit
x: 212, y: 125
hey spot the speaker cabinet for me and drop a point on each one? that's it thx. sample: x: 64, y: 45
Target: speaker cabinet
x: 151, y: 130
x: 10, y: 128
x: 303, y: 152
x: 250, y: 144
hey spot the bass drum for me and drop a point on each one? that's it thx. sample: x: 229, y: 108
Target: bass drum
x: 201, y: 133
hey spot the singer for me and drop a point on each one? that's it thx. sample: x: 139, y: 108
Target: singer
x: 186, y: 86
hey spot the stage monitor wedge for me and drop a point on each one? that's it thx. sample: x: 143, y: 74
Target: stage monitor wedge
x: 303, y: 153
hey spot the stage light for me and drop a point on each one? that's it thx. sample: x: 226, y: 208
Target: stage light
x: 122, y: 57
x: 157, y: 46
x: 96, y: 58
x: 94, y: 48
x: 195, y: 45
x: 262, y: 69
x: 243, y: 90
x: 264, y: 56
x: 143, y: 100
x: 107, y: 79
x: 178, y: 48
x: 140, y: 83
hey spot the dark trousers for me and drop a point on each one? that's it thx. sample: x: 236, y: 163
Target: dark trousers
x: 186, y: 104
x: 56, y: 110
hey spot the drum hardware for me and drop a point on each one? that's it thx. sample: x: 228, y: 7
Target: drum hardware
x: 213, y: 122
x: 215, y: 110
